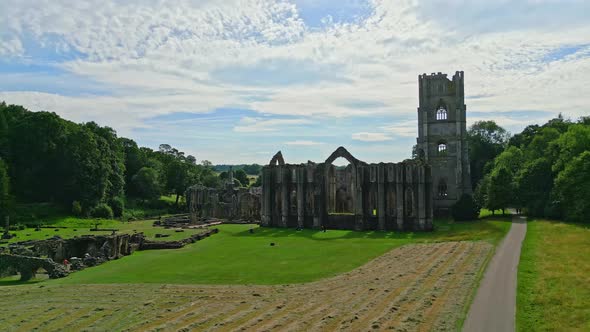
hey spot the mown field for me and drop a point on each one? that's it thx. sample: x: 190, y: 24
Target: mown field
x: 235, y: 280
x: 235, y: 256
x: 414, y: 287
x: 554, y: 278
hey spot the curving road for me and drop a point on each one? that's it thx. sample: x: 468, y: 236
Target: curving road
x: 494, y: 306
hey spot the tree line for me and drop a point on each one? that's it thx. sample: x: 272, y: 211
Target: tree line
x: 544, y: 170
x: 86, y: 167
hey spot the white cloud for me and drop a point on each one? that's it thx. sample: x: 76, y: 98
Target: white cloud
x: 303, y: 143
x: 371, y: 137
x: 198, y: 56
x: 402, y: 128
x: 254, y: 125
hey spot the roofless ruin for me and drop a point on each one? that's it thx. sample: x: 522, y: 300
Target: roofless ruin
x: 361, y: 196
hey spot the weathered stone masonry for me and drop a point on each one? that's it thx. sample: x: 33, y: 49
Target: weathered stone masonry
x: 361, y: 196
x: 442, y: 136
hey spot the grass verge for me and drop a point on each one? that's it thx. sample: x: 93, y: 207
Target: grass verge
x: 553, y: 289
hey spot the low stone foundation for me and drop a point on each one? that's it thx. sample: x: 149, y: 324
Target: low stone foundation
x: 152, y: 245
x: 28, y: 266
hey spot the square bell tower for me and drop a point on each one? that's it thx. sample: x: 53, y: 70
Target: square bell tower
x: 442, y: 136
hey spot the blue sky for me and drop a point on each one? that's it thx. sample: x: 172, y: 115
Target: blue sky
x: 236, y: 81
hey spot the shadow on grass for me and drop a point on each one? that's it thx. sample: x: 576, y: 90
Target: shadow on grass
x: 15, y: 281
x: 444, y: 230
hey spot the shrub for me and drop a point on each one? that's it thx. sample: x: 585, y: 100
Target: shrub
x: 102, y: 211
x: 118, y: 206
x: 465, y: 209
x: 76, y: 208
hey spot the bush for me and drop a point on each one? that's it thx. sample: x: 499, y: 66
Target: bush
x: 102, y: 211
x: 465, y: 209
x: 118, y: 206
x: 76, y: 208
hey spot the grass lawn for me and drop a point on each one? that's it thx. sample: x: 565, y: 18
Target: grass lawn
x: 78, y: 227
x: 234, y: 256
x: 553, y: 291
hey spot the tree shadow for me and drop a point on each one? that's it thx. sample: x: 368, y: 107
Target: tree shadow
x: 444, y: 230
x: 15, y: 281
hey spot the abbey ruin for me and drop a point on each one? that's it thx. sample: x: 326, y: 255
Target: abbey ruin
x: 360, y: 196
x: 379, y: 196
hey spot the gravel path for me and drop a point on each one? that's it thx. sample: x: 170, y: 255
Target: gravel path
x: 494, y: 306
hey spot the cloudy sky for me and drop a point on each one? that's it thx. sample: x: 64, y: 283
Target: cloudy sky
x: 236, y: 81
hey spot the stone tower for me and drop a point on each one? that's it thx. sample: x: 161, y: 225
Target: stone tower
x: 442, y: 136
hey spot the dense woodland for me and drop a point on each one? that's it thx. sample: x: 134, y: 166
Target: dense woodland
x: 90, y: 171
x: 86, y: 167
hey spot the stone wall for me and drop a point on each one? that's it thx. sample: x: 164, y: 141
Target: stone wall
x: 27, y: 266
x: 107, y: 247
x: 229, y: 203
x: 442, y: 136
x: 361, y: 196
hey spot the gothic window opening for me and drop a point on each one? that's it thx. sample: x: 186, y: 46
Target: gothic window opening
x: 442, y: 189
x: 293, y: 201
x: 340, y: 187
x: 441, y: 113
x: 442, y: 148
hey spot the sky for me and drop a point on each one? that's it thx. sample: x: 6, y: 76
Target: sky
x: 235, y: 81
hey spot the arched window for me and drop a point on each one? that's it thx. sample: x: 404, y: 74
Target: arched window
x: 441, y: 113
x: 442, y: 188
x: 442, y: 148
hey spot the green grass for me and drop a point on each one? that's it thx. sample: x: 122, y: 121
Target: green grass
x: 234, y: 256
x: 78, y: 227
x: 553, y: 290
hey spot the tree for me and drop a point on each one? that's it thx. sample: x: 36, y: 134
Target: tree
x: 179, y: 177
x: 572, y: 187
x: 486, y: 140
x: 241, y: 176
x: 4, y: 191
x: 207, y: 163
x: 258, y: 182
x: 209, y: 178
x: 534, y: 185
x: 500, y: 190
x: 146, y: 183
x: 465, y: 208
x: 569, y: 145
x: 253, y: 169
x: 191, y: 159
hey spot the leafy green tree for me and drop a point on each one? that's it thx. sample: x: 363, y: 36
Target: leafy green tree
x: 209, y: 178
x: 253, y: 169
x: 5, y: 200
x: 114, y: 157
x: 535, y: 182
x: 510, y: 159
x: 258, y: 182
x: 117, y: 205
x: 570, y: 144
x: 486, y: 140
x: 179, y: 176
x: 572, y: 186
x: 500, y: 190
x: 466, y: 208
x: 146, y: 183
x: 241, y: 176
